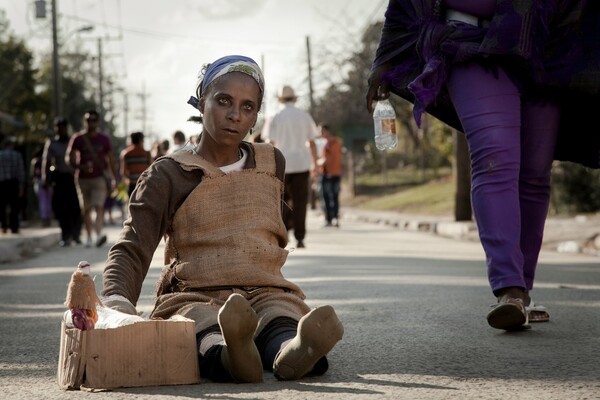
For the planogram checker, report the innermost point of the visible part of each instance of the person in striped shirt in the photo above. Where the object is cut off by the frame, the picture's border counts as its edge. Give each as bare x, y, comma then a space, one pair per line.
134, 160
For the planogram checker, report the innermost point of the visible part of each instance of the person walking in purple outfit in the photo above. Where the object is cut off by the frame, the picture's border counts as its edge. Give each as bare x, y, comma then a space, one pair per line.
519, 79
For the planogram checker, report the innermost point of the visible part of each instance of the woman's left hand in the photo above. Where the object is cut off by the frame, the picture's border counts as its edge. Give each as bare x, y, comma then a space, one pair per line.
378, 90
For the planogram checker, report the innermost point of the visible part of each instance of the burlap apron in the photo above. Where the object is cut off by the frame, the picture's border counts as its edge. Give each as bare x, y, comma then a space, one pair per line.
228, 237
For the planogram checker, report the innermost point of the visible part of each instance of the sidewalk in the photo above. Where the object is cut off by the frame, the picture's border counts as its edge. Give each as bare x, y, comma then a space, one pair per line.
580, 234
30, 241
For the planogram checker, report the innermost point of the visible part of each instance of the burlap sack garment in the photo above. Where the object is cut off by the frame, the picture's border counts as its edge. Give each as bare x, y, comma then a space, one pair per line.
228, 237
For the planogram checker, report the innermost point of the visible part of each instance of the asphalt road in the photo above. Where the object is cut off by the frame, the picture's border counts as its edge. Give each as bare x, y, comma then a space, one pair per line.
413, 305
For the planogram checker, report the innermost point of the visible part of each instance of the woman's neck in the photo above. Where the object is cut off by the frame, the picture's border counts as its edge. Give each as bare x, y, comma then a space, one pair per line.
219, 156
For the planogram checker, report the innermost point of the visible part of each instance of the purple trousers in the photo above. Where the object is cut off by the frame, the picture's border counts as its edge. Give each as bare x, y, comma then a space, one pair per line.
511, 145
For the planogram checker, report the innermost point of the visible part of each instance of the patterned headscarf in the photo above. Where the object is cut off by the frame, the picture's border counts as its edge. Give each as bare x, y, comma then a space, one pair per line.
222, 66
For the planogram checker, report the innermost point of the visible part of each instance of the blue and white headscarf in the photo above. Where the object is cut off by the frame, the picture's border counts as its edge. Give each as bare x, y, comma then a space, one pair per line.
225, 65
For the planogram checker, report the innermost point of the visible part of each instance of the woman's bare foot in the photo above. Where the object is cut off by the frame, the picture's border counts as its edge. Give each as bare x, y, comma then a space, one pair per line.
240, 357
318, 332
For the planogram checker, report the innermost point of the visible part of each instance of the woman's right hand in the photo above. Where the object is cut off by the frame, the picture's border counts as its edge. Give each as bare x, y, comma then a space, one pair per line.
378, 90
119, 303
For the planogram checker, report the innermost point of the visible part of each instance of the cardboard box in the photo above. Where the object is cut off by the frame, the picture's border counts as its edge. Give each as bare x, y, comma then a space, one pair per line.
148, 353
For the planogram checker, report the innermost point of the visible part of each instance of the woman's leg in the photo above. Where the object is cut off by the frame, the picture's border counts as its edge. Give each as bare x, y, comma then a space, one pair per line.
273, 338
489, 107
210, 345
538, 139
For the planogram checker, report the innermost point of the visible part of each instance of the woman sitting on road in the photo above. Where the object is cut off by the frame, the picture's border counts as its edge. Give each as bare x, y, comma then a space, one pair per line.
219, 208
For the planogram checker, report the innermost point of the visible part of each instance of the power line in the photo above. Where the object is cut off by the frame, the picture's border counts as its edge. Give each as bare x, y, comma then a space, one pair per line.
170, 35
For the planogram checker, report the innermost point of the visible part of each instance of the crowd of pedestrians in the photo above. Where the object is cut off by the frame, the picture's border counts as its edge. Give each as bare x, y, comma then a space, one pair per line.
74, 179
77, 180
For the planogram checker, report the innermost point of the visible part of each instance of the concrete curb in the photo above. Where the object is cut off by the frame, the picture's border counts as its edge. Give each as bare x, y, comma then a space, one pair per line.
30, 242
578, 234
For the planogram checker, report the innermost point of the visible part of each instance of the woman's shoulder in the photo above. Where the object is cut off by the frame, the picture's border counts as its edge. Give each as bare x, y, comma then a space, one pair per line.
271, 151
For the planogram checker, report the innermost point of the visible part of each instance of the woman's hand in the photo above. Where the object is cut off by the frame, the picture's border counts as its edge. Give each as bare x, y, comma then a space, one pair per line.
378, 90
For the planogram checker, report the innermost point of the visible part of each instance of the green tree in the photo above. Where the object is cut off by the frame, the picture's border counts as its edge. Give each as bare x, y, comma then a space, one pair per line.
78, 86
18, 96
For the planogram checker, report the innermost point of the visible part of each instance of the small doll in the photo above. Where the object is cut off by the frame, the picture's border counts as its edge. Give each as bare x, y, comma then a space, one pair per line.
82, 298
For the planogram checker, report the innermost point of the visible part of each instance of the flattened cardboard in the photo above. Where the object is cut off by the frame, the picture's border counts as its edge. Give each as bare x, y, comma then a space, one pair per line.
148, 353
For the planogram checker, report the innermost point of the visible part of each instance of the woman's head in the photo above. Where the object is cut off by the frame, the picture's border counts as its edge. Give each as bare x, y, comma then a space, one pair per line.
211, 73
230, 93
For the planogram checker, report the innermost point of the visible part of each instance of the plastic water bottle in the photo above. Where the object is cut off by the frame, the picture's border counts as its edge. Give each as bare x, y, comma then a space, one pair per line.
384, 118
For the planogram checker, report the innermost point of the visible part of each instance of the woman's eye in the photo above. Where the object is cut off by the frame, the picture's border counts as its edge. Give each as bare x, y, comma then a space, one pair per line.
248, 107
223, 101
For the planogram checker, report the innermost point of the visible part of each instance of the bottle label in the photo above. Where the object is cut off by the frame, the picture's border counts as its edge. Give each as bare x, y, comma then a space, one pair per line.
388, 125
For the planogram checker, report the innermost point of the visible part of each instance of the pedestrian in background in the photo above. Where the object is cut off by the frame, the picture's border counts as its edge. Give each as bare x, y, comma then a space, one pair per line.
219, 207
41, 188
293, 131
330, 167
12, 184
90, 153
113, 200
159, 149
134, 160
515, 77
179, 142
56, 172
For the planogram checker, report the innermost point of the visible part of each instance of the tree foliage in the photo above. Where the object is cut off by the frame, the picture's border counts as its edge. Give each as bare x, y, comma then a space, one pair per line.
343, 106
27, 90
18, 96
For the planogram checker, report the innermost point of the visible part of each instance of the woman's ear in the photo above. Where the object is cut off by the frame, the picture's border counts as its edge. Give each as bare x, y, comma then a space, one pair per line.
201, 104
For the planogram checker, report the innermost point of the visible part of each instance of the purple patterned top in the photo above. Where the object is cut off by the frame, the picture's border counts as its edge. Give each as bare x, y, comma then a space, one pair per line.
546, 46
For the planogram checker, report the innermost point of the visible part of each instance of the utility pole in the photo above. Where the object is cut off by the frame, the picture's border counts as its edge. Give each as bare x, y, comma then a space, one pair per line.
143, 95
461, 169
125, 112
310, 85
56, 74
100, 86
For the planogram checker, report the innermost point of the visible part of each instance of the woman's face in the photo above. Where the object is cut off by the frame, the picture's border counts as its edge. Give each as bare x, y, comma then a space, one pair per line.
230, 108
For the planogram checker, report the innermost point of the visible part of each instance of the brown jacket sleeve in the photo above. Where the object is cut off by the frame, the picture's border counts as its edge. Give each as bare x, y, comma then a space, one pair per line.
161, 189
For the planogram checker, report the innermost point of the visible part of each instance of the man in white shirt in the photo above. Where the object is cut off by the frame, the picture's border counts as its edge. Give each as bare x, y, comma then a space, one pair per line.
293, 131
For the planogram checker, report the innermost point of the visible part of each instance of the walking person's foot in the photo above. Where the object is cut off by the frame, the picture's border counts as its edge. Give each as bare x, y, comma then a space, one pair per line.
509, 312
101, 240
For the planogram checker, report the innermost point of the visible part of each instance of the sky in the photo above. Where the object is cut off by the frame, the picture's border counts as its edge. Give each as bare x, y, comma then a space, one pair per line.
153, 49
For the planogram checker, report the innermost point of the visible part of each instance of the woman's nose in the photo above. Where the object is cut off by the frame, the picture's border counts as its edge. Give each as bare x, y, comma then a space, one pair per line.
234, 114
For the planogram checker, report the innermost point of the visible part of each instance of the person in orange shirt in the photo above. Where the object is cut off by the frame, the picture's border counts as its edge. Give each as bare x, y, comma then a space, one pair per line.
330, 163
134, 160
